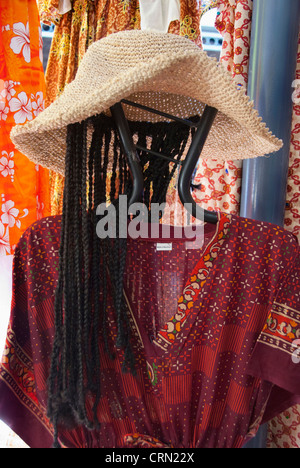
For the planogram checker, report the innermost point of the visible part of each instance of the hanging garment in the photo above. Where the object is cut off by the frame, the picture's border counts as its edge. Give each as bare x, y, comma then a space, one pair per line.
24, 186
175, 54
221, 183
292, 212
215, 332
283, 431
158, 14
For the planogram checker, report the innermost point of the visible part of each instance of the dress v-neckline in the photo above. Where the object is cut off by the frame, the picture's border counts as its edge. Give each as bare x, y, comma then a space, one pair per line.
171, 337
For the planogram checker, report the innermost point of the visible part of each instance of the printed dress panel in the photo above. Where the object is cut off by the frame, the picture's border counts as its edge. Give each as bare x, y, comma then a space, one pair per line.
215, 331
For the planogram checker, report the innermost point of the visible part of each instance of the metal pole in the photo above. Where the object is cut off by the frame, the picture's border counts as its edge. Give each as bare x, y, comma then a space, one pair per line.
273, 53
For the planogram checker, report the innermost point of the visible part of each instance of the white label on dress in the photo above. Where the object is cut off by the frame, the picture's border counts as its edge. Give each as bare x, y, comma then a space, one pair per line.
166, 246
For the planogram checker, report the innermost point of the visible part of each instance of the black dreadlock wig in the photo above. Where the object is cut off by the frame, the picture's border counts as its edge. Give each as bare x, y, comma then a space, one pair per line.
90, 266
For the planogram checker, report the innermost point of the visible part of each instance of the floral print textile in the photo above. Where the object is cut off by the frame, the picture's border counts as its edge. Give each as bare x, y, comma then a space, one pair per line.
292, 213
221, 183
284, 430
24, 187
234, 23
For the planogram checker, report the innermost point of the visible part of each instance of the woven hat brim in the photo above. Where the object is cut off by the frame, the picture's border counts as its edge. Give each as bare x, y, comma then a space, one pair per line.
180, 84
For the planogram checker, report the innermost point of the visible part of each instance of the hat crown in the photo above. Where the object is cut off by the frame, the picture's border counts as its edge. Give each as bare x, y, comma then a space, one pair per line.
127, 49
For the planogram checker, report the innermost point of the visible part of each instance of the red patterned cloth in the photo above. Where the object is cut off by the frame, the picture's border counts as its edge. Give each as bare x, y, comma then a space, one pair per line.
292, 213
221, 182
211, 366
234, 23
143, 441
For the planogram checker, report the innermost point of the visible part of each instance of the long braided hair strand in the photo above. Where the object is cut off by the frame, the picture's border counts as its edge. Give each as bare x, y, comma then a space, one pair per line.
92, 269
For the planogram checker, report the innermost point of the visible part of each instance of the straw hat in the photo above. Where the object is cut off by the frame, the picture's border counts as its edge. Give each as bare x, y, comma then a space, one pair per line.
160, 70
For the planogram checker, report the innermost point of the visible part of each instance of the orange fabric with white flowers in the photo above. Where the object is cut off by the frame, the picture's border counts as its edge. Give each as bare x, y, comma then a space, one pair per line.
24, 187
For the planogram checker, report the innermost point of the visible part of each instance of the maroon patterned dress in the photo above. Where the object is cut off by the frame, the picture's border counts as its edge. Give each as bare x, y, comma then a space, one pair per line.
215, 331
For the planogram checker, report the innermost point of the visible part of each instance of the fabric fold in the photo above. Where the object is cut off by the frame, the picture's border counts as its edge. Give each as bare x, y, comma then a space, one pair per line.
158, 14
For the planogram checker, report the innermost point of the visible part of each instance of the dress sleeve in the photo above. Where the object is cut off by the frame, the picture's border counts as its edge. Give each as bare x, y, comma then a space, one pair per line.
20, 407
276, 356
